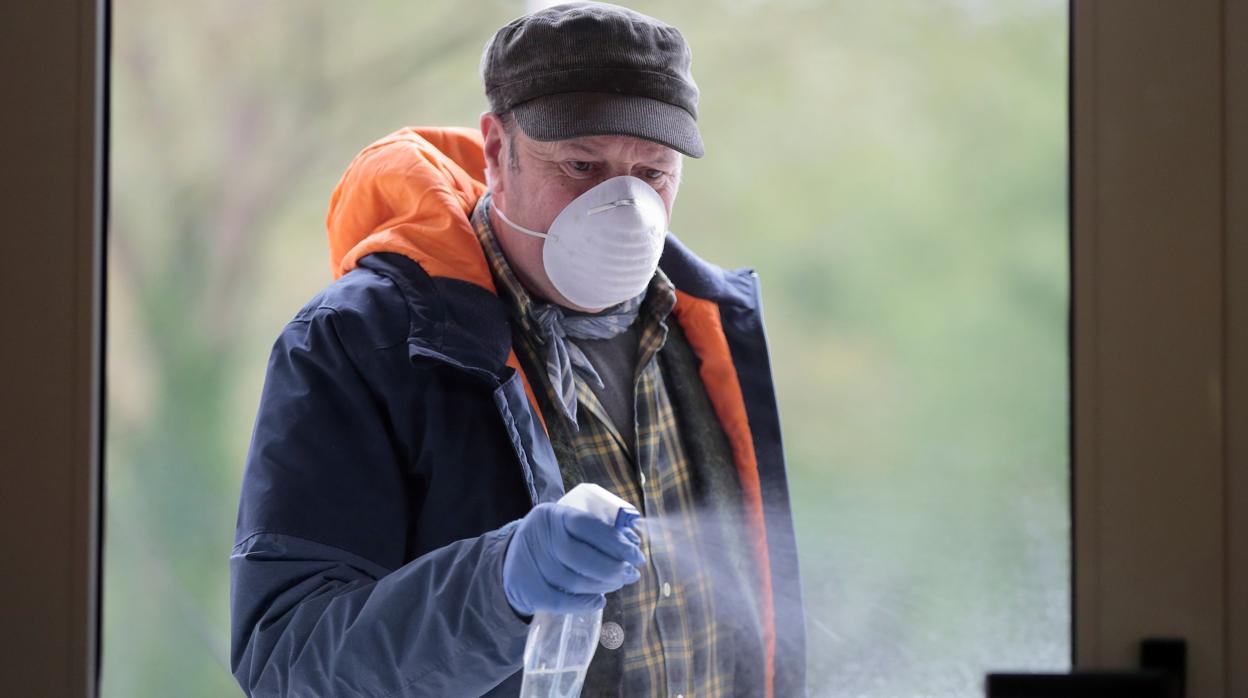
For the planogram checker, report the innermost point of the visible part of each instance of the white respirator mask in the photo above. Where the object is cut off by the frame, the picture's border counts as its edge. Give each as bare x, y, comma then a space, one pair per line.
604, 246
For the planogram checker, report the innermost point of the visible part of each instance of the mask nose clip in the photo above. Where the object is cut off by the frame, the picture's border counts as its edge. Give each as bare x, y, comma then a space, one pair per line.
613, 204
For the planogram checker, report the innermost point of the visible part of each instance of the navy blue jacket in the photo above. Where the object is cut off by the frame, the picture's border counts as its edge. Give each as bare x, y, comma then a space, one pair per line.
393, 451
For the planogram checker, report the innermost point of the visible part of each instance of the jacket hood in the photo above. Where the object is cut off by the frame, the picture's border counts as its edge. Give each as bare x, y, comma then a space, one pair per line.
412, 192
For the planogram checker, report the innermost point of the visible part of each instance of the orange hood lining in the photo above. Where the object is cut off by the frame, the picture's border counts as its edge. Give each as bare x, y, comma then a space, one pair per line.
412, 192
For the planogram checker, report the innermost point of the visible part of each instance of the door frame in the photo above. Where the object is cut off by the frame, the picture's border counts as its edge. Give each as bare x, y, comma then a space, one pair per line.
53, 135
1160, 333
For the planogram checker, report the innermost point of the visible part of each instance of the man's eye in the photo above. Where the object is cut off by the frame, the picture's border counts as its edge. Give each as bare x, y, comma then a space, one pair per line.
654, 174
580, 165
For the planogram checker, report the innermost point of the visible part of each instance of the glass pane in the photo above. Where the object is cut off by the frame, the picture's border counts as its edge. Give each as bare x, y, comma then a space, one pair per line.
895, 171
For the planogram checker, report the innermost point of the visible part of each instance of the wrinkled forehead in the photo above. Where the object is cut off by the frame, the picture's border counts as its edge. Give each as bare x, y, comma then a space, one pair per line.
606, 148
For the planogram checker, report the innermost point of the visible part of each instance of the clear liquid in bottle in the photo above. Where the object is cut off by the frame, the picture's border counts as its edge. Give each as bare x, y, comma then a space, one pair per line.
557, 653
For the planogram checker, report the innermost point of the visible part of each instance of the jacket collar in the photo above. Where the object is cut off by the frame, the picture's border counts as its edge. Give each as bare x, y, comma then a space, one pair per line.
466, 325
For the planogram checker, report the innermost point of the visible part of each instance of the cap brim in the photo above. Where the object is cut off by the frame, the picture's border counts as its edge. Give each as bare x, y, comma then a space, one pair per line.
575, 114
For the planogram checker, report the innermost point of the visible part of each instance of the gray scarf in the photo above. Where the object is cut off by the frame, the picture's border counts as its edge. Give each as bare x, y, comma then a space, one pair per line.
559, 327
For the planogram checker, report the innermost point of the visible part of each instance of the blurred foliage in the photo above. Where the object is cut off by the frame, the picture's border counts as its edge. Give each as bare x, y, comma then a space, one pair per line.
895, 170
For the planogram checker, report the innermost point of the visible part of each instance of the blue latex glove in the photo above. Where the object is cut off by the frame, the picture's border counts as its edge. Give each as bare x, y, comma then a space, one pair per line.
563, 560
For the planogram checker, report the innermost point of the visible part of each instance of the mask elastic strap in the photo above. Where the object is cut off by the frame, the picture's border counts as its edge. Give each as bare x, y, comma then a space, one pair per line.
521, 228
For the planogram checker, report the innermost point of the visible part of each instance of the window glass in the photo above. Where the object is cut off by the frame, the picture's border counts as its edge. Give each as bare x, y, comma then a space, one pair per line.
894, 170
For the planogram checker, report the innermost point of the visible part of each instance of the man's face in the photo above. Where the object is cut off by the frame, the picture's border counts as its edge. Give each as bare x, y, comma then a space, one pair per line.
546, 176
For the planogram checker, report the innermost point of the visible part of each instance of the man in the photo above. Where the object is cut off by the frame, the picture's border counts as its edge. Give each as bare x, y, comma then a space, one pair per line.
503, 327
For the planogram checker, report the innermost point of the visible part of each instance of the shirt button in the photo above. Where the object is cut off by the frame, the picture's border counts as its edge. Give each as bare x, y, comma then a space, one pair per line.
643, 477
667, 589
612, 635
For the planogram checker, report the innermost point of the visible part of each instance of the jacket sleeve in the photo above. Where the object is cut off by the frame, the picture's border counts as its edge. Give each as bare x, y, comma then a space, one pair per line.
322, 602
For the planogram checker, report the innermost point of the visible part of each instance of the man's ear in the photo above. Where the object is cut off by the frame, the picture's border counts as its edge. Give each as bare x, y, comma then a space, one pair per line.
492, 135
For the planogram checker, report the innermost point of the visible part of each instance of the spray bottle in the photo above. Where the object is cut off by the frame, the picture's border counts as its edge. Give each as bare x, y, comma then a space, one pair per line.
560, 646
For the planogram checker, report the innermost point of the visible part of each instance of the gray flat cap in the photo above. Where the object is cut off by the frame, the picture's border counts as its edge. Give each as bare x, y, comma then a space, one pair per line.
590, 69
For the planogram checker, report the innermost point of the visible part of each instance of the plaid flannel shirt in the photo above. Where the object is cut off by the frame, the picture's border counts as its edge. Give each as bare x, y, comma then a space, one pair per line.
671, 642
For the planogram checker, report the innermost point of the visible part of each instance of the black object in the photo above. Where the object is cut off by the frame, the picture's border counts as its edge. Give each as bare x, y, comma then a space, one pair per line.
589, 68
1162, 674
